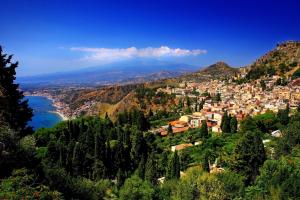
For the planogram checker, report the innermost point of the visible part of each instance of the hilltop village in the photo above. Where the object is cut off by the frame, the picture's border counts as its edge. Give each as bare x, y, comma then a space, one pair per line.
242, 100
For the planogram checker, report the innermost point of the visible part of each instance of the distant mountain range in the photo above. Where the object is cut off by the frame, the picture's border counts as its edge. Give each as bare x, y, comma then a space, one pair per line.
283, 60
134, 71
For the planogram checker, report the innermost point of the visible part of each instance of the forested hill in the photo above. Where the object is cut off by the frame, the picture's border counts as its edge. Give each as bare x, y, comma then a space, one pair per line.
214, 71
284, 60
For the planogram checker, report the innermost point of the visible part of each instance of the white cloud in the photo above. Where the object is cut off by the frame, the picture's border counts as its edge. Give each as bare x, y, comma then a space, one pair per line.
107, 54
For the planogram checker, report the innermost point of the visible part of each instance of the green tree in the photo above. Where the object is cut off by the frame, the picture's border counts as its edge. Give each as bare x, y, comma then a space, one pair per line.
188, 110
180, 104
150, 113
248, 124
209, 187
138, 148
205, 162
17, 112
173, 168
263, 85
233, 184
233, 124
218, 97
188, 102
135, 188
283, 115
142, 122
200, 107
121, 176
170, 130
290, 139
282, 67
141, 168
278, 81
281, 177
150, 169
204, 130
186, 188
249, 155
225, 123
21, 185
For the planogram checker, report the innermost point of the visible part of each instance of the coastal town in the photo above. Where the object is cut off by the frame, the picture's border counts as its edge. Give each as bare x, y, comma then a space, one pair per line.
239, 100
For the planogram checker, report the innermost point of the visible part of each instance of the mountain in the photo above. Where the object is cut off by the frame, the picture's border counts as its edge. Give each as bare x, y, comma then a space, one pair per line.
134, 71
217, 70
284, 60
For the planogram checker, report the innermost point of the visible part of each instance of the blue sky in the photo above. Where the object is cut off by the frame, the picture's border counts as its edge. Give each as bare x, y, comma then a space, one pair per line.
50, 36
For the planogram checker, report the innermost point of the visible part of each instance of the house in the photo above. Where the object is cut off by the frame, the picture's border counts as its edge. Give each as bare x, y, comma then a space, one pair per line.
213, 168
177, 127
195, 123
276, 133
216, 129
185, 118
180, 147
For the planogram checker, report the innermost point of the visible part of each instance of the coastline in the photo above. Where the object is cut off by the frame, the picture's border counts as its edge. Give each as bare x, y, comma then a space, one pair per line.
62, 116
56, 107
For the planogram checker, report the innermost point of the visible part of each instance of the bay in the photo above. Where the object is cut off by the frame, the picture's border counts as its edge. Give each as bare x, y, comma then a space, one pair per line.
43, 110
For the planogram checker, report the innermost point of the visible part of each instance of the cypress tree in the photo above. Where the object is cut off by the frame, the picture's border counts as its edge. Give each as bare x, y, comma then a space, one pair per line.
205, 163
17, 112
170, 130
173, 168
142, 122
108, 159
188, 101
204, 130
225, 124
283, 115
150, 169
180, 104
77, 159
120, 177
233, 124
141, 167
201, 105
138, 147
218, 97
150, 113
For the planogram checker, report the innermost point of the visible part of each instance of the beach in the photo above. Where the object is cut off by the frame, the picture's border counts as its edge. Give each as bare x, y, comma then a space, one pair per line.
62, 116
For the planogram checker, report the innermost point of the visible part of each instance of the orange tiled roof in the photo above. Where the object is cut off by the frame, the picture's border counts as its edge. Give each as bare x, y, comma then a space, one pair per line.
182, 146
175, 130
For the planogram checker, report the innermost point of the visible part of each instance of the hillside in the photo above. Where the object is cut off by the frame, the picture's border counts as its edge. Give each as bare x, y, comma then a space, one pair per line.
118, 98
284, 60
214, 71
106, 94
114, 99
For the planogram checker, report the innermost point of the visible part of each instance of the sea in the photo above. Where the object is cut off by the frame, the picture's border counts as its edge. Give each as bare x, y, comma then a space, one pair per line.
43, 110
